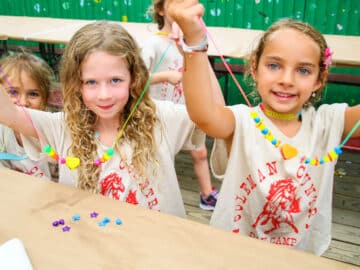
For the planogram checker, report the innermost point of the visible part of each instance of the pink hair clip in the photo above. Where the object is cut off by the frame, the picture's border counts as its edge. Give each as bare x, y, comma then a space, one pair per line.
328, 58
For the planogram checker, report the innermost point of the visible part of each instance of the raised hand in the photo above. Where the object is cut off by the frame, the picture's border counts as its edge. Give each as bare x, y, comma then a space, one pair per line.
187, 15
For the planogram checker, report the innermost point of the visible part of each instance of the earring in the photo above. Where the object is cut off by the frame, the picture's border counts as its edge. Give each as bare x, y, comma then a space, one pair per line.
313, 94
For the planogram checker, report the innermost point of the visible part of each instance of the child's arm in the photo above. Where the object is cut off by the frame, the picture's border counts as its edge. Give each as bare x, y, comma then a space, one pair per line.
14, 116
216, 88
171, 76
352, 116
215, 119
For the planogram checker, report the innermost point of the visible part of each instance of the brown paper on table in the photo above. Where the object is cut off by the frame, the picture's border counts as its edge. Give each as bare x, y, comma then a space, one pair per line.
146, 239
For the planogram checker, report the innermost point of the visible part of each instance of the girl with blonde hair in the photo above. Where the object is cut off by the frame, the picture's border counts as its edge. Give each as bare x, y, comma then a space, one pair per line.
28, 80
111, 137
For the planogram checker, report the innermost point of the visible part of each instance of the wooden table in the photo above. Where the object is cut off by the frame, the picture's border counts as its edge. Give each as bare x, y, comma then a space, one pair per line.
146, 239
232, 42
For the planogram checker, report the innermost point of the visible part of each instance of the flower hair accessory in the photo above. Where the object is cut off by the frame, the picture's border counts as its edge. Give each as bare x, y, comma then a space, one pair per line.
328, 58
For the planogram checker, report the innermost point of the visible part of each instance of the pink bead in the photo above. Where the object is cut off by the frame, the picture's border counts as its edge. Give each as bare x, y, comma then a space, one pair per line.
62, 160
98, 162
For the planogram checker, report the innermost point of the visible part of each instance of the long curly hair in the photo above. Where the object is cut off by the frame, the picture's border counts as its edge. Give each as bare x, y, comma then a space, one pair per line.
302, 27
36, 68
113, 39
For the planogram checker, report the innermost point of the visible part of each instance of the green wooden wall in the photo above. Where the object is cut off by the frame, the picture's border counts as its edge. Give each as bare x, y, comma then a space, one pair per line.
329, 16
341, 17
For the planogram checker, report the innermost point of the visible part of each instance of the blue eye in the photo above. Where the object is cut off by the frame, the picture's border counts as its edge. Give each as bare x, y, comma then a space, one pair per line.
304, 71
273, 66
90, 82
34, 94
115, 81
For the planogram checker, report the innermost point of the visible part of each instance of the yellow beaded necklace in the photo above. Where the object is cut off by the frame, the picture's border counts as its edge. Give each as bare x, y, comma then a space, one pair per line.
288, 151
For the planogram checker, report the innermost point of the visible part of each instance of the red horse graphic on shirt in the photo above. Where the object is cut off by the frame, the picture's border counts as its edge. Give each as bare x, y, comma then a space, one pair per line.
112, 186
281, 204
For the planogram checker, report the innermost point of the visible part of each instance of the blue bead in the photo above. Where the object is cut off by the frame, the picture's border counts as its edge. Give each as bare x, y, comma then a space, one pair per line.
265, 131
338, 150
257, 119
101, 224
307, 161
321, 161
118, 221
76, 217
106, 220
274, 141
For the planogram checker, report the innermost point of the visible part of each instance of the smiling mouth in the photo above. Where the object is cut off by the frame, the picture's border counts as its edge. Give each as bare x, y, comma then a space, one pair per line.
106, 107
283, 95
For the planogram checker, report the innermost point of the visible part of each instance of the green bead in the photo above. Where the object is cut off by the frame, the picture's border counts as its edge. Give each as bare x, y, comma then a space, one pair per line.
110, 152
47, 148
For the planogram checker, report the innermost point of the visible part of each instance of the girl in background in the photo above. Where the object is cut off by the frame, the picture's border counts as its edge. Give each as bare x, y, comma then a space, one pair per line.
166, 85
27, 79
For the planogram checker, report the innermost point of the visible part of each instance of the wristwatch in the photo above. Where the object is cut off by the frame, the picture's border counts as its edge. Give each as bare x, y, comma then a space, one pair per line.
202, 47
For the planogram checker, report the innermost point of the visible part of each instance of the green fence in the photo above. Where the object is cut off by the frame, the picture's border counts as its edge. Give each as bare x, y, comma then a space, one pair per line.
329, 16
341, 17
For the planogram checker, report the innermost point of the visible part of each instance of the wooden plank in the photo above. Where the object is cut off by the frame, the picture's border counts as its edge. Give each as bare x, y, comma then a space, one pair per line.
346, 202
194, 213
346, 217
345, 233
344, 252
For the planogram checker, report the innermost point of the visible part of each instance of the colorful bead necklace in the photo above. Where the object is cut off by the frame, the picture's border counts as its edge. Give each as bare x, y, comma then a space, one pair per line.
287, 151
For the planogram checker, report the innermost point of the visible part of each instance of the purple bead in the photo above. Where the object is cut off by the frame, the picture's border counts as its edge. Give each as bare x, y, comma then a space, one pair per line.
66, 228
93, 214
61, 221
55, 223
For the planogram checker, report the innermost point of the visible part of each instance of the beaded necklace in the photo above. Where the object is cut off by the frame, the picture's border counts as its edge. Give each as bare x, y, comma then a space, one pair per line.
288, 151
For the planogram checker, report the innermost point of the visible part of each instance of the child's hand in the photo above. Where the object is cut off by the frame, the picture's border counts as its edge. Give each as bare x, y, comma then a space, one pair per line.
187, 14
174, 77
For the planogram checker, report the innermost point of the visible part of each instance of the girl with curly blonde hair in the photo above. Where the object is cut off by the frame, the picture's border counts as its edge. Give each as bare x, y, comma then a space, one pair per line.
125, 142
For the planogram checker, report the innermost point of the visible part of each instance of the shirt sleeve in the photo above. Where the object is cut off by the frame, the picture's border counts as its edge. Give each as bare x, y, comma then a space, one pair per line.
50, 129
218, 158
178, 130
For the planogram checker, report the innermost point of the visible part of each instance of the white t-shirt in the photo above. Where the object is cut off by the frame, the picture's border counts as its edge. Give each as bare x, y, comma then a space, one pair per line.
9, 144
118, 179
160, 47
280, 201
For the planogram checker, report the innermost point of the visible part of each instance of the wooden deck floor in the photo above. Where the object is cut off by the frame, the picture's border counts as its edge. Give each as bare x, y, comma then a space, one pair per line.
345, 245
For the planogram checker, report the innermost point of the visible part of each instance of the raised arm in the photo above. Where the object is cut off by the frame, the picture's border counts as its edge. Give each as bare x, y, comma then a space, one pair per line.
14, 116
208, 114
